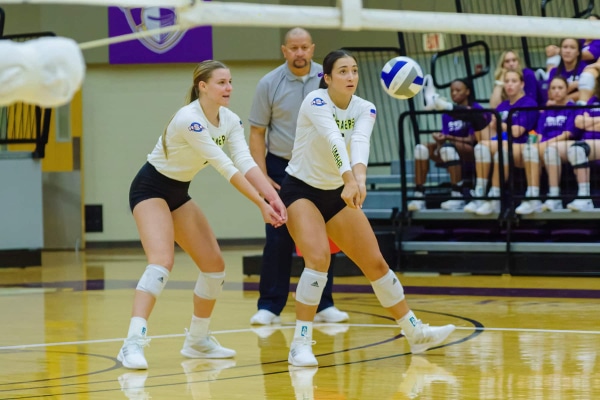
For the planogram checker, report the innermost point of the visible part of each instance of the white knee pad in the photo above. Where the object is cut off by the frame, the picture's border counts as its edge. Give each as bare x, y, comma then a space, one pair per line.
310, 287
388, 289
551, 156
587, 81
421, 152
482, 153
449, 155
209, 285
531, 153
153, 280
504, 156
577, 155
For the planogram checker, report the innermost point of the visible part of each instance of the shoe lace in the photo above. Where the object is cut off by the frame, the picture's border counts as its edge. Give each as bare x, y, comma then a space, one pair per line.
139, 341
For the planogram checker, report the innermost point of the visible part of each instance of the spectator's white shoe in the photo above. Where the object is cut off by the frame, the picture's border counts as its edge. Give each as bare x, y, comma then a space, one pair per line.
132, 385
453, 205
581, 205
529, 207
301, 354
331, 314
488, 207
417, 205
472, 206
552, 205
131, 354
425, 337
265, 317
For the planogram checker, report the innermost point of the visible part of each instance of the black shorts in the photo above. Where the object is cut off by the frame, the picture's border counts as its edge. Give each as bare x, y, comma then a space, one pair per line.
328, 202
151, 184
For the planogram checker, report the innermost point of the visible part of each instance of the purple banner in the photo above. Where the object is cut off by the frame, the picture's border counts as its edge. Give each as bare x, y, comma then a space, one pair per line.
190, 46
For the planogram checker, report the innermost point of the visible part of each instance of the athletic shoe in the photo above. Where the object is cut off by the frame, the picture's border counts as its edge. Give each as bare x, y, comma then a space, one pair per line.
207, 347
132, 385
301, 354
265, 317
131, 354
417, 205
302, 381
472, 206
331, 314
552, 205
488, 207
581, 205
528, 207
425, 337
453, 205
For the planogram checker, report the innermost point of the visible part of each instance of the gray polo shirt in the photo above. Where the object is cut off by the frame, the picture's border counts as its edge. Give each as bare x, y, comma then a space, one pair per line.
276, 104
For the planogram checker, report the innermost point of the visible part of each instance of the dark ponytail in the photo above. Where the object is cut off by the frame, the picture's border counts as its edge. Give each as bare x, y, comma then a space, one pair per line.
328, 62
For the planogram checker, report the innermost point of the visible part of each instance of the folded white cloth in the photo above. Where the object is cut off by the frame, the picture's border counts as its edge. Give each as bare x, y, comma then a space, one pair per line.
45, 71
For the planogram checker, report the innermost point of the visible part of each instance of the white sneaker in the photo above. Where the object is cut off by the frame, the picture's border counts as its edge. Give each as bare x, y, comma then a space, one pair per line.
425, 337
265, 317
552, 205
132, 385
488, 207
417, 205
453, 205
581, 205
331, 314
528, 207
472, 206
131, 354
207, 347
301, 354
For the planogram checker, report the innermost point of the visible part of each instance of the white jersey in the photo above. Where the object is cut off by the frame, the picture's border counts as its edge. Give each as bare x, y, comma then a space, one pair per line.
330, 141
193, 143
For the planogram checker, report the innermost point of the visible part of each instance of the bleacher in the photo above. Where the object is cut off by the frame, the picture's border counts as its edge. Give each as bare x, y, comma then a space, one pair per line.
440, 241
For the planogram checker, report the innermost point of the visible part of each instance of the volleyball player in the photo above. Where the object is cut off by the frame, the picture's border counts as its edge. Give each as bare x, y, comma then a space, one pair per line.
164, 212
324, 191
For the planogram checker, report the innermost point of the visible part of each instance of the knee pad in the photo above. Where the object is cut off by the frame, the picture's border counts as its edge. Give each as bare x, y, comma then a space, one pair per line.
209, 285
531, 153
388, 289
482, 153
504, 156
578, 154
587, 81
551, 156
421, 152
153, 280
310, 287
449, 155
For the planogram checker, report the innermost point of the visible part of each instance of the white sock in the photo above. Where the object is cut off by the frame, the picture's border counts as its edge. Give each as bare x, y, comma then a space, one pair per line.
532, 191
554, 191
584, 189
303, 329
199, 327
480, 185
138, 326
408, 323
494, 192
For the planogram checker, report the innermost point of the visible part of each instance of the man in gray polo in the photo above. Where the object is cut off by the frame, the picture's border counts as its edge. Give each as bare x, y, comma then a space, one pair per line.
273, 117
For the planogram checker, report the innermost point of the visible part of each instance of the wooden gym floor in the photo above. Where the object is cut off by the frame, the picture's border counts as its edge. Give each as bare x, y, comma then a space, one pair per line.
62, 325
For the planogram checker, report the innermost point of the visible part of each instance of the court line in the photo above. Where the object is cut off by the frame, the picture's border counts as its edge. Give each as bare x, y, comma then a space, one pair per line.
292, 326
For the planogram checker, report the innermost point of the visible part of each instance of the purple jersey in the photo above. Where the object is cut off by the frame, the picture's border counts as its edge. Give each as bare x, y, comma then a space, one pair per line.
592, 47
570, 76
525, 119
532, 89
553, 122
458, 127
593, 112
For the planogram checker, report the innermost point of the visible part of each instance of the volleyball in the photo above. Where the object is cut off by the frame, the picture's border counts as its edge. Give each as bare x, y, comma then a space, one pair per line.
402, 77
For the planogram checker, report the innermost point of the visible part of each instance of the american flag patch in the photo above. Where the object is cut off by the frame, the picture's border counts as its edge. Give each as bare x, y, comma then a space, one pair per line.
373, 113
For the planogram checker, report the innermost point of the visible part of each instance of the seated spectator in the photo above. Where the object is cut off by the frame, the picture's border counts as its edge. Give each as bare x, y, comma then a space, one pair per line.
570, 67
510, 61
450, 147
553, 126
521, 123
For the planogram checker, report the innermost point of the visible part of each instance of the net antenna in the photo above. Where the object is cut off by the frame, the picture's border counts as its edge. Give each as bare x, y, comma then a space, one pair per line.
349, 15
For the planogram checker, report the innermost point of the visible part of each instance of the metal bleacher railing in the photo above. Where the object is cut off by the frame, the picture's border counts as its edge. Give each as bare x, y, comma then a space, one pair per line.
22, 123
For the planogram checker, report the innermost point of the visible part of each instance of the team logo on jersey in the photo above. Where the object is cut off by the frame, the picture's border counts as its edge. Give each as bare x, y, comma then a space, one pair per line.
373, 113
317, 101
196, 127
